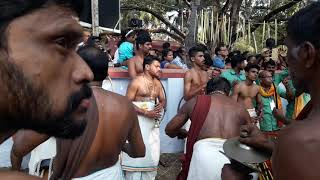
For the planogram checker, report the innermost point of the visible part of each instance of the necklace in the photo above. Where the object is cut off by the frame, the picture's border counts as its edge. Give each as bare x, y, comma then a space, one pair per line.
218, 92
150, 86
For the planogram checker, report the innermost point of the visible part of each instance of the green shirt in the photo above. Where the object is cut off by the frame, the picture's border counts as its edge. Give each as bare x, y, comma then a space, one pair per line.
279, 77
268, 122
232, 76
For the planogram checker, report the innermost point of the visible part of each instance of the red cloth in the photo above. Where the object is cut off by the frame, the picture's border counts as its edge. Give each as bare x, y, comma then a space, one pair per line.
198, 117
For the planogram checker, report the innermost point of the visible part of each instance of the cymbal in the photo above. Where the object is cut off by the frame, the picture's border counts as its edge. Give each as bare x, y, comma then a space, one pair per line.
243, 153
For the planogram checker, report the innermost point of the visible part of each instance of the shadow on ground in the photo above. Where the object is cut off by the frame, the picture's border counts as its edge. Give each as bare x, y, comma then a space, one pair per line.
169, 166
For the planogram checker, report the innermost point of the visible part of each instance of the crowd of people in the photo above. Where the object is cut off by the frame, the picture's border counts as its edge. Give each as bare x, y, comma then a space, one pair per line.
52, 92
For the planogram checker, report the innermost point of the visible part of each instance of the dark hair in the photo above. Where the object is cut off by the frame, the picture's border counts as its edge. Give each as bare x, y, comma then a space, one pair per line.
270, 43
166, 45
270, 62
218, 84
208, 60
251, 66
149, 60
194, 50
180, 50
12, 9
249, 57
97, 60
218, 48
142, 38
165, 53
124, 37
236, 59
305, 25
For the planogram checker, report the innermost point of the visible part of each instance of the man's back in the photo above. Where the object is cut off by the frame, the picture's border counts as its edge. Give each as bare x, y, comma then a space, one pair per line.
116, 121
224, 118
297, 149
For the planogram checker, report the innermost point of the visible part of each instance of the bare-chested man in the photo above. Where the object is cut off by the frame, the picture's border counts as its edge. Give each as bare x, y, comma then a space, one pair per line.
211, 123
247, 93
295, 155
101, 161
143, 46
145, 91
44, 83
195, 80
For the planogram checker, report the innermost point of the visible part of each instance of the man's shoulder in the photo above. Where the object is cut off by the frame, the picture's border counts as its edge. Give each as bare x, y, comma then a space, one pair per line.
108, 97
299, 132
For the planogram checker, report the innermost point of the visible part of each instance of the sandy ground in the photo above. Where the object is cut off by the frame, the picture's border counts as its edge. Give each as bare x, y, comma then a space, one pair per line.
169, 167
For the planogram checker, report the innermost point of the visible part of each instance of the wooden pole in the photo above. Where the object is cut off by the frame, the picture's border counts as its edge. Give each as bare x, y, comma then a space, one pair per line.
95, 17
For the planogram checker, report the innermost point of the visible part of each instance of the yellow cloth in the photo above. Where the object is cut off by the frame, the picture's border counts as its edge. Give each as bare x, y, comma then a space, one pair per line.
272, 92
299, 105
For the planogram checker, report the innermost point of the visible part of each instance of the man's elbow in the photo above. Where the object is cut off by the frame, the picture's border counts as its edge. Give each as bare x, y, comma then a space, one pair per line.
139, 153
170, 133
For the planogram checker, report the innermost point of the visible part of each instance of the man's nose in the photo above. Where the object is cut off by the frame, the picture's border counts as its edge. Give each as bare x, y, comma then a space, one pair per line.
82, 72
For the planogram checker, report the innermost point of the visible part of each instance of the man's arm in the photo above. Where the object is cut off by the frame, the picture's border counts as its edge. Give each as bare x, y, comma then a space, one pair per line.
252, 136
187, 93
173, 128
259, 105
132, 68
9, 175
24, 142
135, 148
289, 95
131, 94
236, 92
172, 66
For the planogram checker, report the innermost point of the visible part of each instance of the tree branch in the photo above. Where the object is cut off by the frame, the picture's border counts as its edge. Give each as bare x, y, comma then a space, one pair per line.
164, 31
155, 14
268, 17
224, 8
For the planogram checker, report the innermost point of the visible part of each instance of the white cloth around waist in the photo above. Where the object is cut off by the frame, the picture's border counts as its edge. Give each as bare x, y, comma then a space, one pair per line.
112, 173
207, 160
151, 139
252, 112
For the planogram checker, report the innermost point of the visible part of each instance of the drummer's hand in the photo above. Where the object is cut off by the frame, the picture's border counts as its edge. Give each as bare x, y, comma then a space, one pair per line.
252, 136
228, 173
153, 114
158, 108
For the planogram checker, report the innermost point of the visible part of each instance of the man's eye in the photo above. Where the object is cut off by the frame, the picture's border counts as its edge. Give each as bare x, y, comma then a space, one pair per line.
61, 42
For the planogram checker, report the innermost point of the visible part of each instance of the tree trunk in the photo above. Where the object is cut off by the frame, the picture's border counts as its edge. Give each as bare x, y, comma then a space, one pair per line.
235, 9
192, 34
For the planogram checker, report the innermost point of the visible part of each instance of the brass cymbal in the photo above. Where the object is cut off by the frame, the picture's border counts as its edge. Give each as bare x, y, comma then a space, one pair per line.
243, 153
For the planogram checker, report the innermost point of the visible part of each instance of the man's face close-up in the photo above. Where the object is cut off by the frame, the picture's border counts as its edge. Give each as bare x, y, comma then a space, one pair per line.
199, 60
252, 74
295, 66
147, 47
155, 69
50, 93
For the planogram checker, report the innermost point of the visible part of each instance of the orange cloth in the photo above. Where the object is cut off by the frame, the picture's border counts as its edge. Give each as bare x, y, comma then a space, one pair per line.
273, 92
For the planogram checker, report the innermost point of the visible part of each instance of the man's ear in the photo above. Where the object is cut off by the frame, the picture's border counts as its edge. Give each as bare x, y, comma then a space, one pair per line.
307, 54
192, 59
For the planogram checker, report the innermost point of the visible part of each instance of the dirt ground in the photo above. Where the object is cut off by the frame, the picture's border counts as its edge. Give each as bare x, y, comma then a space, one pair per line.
169, 166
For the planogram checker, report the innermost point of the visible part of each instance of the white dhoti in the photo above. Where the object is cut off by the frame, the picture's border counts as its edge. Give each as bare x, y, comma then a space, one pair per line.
253, 114
207, 162
146, 167
112, 173
46, 150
